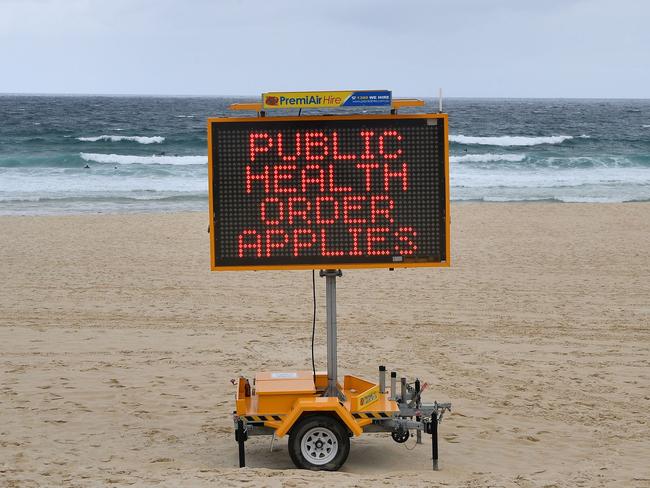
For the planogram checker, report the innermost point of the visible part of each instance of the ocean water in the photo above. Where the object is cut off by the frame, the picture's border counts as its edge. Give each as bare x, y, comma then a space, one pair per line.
150, 154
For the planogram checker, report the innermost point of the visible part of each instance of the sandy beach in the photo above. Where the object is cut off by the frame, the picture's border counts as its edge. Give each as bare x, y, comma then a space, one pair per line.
118, 344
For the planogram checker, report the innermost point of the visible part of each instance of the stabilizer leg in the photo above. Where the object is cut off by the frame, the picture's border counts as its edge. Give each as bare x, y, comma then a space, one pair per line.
241, 439
434, 440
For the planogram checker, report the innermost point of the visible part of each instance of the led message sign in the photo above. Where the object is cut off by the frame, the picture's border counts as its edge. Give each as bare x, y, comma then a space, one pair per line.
329, 192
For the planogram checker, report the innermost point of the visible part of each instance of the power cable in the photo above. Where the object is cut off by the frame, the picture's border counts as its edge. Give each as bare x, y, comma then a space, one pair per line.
313, 324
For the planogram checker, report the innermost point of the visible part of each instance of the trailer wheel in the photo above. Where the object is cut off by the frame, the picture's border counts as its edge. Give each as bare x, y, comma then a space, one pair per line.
400, 436
319, 442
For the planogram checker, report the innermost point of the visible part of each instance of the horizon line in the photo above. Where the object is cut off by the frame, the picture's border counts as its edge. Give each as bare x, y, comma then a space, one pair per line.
433, 97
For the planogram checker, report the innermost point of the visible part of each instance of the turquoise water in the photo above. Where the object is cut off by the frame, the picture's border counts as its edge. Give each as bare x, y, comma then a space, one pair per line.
149, 153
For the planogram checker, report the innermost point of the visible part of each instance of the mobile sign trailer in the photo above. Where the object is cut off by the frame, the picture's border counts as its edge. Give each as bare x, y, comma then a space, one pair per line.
329, 192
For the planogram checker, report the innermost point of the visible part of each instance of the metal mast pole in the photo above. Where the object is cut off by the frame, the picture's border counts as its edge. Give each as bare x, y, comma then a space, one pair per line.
330, 298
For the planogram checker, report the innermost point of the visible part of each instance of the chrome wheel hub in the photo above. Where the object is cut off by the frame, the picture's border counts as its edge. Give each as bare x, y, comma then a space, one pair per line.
319, 446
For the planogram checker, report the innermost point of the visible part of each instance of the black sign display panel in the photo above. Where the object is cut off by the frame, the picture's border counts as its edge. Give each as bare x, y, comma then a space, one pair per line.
329, 192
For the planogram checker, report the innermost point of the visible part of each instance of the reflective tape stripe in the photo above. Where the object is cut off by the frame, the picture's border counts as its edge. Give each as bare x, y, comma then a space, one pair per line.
371, 415
358, 415
262, 418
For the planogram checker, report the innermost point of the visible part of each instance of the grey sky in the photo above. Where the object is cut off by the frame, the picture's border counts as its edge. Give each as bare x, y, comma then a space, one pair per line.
496, 48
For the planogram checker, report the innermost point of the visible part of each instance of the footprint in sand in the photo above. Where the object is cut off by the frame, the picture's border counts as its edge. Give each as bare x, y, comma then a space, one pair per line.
530, 438
113, 383
452, 438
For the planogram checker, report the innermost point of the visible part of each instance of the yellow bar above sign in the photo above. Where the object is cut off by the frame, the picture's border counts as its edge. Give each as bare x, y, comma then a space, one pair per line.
327, 99
397, 103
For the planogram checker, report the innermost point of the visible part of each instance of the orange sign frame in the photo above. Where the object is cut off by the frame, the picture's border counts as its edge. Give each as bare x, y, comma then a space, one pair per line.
446, 263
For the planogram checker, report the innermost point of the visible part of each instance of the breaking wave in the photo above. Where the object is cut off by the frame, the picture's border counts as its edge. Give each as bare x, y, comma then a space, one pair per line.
486, 158
153, 159
139, 139
511, 140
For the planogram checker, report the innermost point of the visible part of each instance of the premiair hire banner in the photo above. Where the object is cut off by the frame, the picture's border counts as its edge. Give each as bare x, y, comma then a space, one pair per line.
327, 99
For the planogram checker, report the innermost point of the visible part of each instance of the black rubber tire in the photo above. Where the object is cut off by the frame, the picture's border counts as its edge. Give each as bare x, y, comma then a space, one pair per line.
303, 426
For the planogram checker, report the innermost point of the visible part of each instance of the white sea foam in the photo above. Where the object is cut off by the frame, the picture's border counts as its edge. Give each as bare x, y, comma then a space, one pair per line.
140, 139
498, 180
486, 158
153, 159
54, 182
646, 126
511, 140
